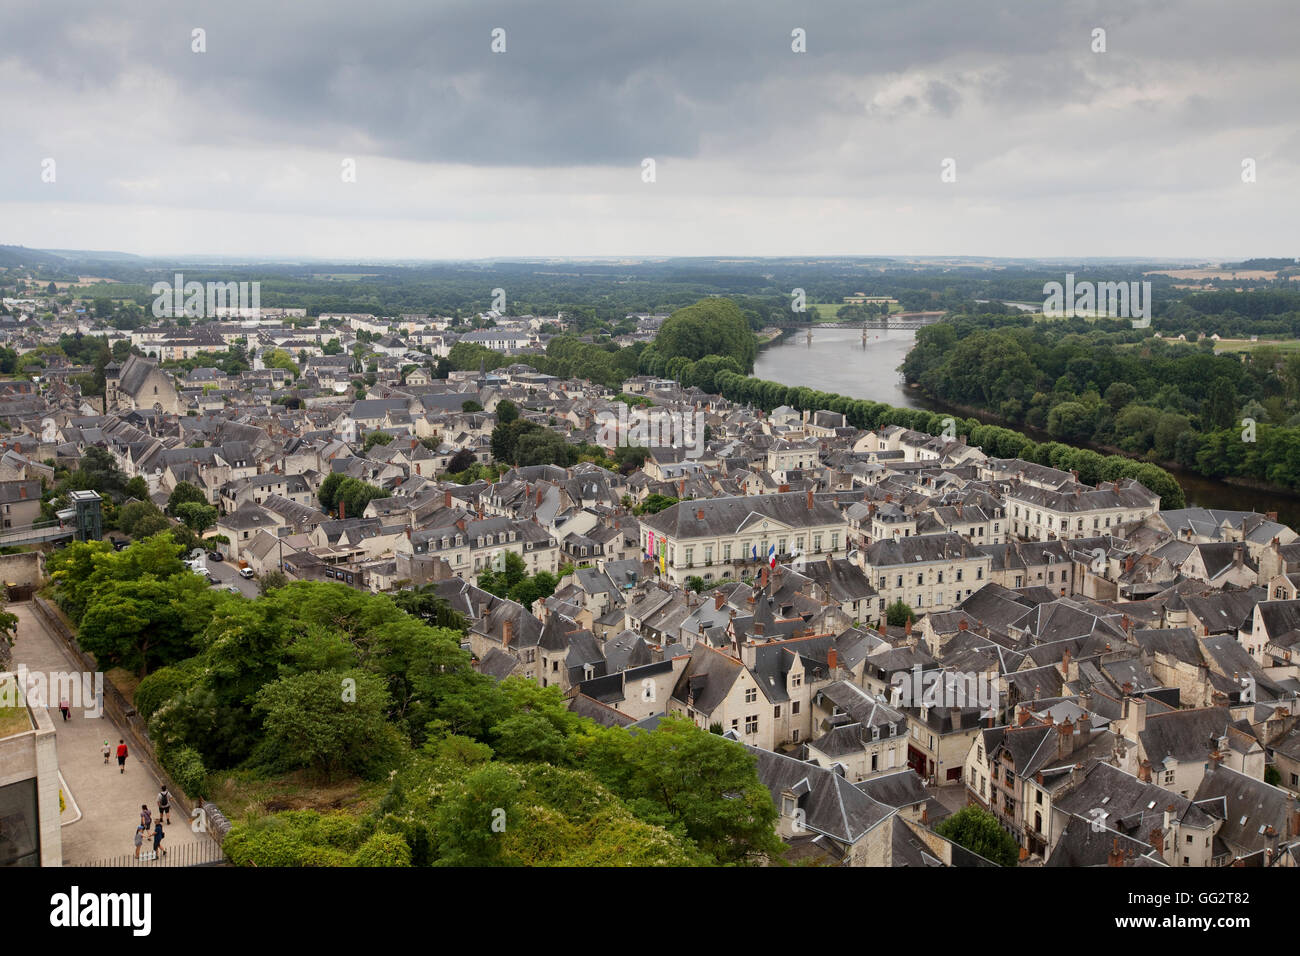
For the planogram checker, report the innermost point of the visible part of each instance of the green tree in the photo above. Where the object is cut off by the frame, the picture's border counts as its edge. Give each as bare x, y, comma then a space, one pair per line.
977, 830
899, 613
376, 438
692, 783
197, 517
182, 493
330, 721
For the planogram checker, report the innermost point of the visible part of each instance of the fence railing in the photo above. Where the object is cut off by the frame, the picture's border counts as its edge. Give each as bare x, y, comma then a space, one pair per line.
119, 710
203, 853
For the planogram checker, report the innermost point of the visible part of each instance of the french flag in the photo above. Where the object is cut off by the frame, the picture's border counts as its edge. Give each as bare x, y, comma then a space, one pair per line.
771, 556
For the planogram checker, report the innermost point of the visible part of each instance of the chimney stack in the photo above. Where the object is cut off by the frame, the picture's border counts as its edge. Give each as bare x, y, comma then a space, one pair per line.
699, 514
963, 625
718, 600
810, 499
446, 499
1065, 664
832, 660
507, 633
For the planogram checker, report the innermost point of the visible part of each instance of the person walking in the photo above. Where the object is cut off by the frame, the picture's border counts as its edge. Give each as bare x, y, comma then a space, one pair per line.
139, 839
121, 755
164, 805
158, 839
146, 818
65, 708
108, 751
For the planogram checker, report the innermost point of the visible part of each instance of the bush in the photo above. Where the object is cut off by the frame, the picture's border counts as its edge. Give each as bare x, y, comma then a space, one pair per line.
383, 849
293, 838
186, 768
159, 687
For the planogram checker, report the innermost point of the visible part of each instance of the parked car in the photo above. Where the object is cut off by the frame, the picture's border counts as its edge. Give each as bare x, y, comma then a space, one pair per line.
234, 589
213, 580
246, 572
215, 556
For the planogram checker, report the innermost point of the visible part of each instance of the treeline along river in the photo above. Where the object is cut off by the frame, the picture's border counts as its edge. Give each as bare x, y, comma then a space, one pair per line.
837, 360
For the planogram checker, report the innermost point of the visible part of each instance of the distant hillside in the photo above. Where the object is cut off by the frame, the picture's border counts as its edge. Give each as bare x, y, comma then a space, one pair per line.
1262, 264
11, 256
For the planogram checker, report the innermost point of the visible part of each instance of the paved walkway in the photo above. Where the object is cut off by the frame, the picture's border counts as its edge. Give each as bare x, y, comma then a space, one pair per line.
109, 801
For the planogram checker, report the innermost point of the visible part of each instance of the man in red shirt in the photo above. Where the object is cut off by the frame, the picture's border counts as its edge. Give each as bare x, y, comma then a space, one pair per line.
121, 756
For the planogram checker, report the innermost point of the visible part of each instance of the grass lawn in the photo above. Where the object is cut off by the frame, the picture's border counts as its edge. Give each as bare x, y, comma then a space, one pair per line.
14, 718
239, 793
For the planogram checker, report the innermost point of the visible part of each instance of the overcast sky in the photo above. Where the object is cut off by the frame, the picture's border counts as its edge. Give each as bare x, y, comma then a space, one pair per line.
461, 152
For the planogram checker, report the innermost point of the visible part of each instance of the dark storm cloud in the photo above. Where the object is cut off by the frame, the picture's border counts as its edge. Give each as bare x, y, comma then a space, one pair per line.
580, 83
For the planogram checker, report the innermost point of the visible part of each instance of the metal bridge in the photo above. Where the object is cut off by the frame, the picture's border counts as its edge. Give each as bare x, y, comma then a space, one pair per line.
40, 533
911, 322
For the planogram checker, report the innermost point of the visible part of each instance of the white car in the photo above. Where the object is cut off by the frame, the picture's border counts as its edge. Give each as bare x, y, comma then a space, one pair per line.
246, 573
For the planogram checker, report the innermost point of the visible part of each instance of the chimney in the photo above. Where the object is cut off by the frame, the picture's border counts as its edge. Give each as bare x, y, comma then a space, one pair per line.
907, 628
832, 660
1115, 857
881, 627
446, 499
408, 534
1237, 555
1126, 624
507, 633
22, 491
681, 488
810, 499
762, 580
1065, 664
1065, 738
963, 625
1128, 564
1144, 771
414, 442
540, 493
343, 509
718, 600
758, 629
959, 509
1157, 842
699, 514
1216, 758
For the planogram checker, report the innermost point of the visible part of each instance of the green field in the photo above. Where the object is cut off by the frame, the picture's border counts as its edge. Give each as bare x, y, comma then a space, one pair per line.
1245, 345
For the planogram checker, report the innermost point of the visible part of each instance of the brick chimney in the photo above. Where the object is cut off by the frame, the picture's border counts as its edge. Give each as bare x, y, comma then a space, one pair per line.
758, 629
681, 488
507, 633
446, 499
832, 660
1116, 856
810, 499
963, 625
343, 509
718, 600
907, 628
1065, 664
1065, 738
1128, 564
699, 514
762, 579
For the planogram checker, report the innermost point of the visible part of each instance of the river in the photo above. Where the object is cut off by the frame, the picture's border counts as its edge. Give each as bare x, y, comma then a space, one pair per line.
837, 361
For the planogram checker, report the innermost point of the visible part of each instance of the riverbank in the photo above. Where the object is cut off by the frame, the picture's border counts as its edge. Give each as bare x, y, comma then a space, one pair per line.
1227, 494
